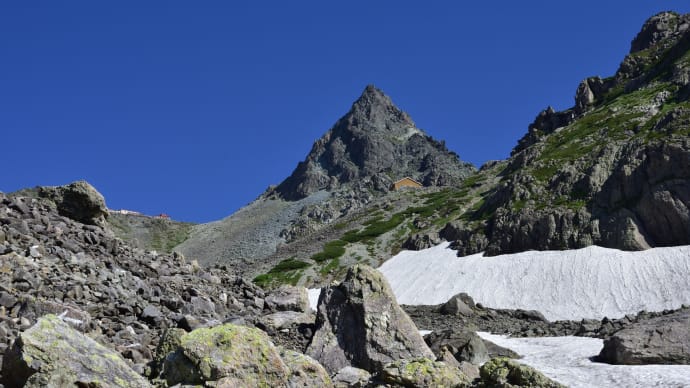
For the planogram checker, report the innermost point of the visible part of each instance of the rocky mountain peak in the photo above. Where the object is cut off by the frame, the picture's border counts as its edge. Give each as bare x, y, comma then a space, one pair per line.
660, 27
377, 111
373, 145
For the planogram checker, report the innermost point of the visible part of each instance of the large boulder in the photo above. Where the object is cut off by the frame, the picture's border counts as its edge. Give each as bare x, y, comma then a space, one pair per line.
505, 373
52, 354
79, 201
360, 324
661, 340
234, 354
423, 372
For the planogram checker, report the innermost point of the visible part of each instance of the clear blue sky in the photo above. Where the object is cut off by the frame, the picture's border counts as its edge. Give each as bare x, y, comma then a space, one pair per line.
193, 108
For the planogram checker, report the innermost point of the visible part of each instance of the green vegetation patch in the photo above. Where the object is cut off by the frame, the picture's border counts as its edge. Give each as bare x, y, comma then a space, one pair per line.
332, 250
288, 271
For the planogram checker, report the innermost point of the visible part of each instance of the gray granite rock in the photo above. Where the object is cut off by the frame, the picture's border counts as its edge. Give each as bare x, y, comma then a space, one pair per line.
661, 340
360, 324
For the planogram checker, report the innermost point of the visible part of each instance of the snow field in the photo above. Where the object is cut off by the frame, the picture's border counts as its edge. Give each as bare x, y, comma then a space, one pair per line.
567, 360
592, 282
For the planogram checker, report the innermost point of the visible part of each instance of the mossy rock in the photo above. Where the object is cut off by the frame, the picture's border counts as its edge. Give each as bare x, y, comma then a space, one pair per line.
52, 354
228, 352
423, 372
504, 373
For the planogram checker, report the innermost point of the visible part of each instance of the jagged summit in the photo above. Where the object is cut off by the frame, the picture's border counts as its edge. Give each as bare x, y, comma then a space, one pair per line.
374, 144
659, 27
375, 108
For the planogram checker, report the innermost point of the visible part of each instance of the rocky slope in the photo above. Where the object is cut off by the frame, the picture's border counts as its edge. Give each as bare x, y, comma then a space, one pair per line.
611, 171
78, 306
353, 164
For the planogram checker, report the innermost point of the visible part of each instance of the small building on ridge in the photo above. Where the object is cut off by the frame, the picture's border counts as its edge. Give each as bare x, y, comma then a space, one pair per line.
406, 182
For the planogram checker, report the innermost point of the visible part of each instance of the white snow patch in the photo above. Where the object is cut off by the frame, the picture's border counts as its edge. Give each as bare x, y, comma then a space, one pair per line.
592, 282
425, 332
566, 360
313, 294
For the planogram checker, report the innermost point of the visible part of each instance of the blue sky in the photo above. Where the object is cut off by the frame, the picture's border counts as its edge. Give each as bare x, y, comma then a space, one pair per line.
194, 108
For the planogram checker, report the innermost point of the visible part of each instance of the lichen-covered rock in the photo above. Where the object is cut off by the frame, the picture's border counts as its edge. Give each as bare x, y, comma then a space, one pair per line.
505, 373
360, 324
305, 371
52, 354
288, 298
423, 372
79, 201
661, 340
236, 353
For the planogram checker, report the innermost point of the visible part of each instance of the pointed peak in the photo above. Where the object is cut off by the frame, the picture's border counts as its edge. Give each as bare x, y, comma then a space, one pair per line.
373, 96
371, 89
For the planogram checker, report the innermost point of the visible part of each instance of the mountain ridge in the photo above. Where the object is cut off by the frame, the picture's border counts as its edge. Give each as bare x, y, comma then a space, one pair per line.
355, 162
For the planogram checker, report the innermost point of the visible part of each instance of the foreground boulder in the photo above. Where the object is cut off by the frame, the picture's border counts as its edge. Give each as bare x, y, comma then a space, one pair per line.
423, 372
505, 373
52, 354
661, 340
360, 324
236, 355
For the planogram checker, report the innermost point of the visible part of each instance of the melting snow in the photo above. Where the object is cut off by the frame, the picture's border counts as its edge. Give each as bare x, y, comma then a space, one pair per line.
313, 294
566, 360
592, 282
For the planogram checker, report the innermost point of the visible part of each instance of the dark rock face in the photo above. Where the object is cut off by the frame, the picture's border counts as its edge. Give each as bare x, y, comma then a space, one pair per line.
463, 345
360, 324
52, 354
638, 201
460, 304
375, 144
418, 242
545, 123
662, 340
